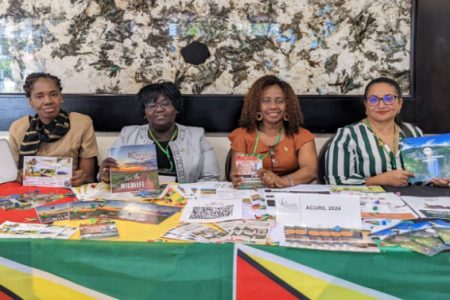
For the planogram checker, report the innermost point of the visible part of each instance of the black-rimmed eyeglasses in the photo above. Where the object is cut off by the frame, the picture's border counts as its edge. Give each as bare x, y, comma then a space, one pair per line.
387, 99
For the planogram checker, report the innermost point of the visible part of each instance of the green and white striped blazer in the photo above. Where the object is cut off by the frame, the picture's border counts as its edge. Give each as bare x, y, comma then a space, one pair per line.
354, 154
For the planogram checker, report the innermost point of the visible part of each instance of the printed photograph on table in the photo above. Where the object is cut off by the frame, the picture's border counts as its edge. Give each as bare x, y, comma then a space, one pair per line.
137, 169
246, 167
23, 230
426, 157
47, 171
149, 213
29, 199
81, 210
98, 230
52, 213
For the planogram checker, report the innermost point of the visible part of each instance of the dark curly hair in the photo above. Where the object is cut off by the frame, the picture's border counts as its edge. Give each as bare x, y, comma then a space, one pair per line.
252, 105
33, 77
151, 92
392, 83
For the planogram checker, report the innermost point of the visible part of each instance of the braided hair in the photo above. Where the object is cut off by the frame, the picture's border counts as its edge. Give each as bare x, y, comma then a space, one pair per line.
33, 77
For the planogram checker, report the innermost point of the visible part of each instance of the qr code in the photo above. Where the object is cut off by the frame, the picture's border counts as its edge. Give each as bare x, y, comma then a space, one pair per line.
201, 212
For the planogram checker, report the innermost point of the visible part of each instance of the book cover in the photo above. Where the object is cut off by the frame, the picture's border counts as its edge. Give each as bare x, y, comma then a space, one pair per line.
427, 157
137, 169
246, 167
47, 171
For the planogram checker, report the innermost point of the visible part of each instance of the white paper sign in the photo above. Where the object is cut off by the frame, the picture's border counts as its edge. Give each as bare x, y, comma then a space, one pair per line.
330, 211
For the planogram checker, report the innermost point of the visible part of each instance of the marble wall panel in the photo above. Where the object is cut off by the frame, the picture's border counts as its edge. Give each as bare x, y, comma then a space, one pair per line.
116, 46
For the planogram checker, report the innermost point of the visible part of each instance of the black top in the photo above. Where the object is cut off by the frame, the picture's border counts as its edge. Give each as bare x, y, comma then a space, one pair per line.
163, 162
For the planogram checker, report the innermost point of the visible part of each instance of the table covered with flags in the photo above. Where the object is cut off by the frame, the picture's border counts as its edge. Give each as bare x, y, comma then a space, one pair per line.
137, 267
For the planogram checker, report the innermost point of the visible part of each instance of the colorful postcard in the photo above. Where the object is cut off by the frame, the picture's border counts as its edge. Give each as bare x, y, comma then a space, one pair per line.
47, 171
98, 230
149, 213
24, 230
247, 231
29, 200
246, 168
82, 210
443, 230
51, 213
195, 232
137, 170
427, 157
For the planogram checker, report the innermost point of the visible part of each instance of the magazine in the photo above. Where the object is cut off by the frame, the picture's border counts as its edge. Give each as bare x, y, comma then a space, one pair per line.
137, 169
47, 171
427, 157
246, 168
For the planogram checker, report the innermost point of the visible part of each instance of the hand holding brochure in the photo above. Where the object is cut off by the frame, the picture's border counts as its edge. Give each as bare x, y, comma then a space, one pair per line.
246, 167
47, 171
137, 170
427, 157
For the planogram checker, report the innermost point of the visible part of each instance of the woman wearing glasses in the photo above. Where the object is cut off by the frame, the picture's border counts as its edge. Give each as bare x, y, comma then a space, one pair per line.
367, 152
271, 129
183, 152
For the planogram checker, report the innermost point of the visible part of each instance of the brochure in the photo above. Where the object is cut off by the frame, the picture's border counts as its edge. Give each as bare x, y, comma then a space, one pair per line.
51, 213
25, 230
356, 189
385, 206
98, 230
195, 232
47, 171
429, 207
246, 167
246, 231
137, 169
427, 157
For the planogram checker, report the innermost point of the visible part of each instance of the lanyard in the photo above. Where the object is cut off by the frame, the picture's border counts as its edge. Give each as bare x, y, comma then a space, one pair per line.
166, 150
277, 140
381, 143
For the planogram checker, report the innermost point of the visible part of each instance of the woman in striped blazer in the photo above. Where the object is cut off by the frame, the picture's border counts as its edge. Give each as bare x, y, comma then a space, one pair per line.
367, 152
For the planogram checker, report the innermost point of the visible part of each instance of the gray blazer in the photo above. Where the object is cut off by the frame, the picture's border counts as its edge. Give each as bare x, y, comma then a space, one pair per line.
194, 157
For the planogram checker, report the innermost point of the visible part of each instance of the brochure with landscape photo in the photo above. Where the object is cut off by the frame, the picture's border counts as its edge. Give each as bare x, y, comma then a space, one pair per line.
137, 169
427, 157
47, 171
246, 168
98, 230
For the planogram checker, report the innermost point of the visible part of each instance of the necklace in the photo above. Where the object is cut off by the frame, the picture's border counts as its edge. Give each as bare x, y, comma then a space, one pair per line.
277, 140
382, 143
165, 151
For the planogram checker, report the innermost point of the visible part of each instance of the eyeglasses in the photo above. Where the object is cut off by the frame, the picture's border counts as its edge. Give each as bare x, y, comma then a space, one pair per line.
165, 103
387, 99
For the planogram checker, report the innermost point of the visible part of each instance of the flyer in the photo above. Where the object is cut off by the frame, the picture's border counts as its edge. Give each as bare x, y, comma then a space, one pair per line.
426, 157
47, 171
137, 169
247, 167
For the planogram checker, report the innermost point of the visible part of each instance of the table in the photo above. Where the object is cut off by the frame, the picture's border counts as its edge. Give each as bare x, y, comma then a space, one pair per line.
56, 269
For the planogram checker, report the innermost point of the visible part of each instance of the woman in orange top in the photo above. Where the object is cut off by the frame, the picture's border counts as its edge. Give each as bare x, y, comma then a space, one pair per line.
270, 128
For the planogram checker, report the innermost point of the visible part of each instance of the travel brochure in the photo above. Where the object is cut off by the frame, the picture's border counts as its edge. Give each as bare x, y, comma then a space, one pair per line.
137, 169
35, 231
385, 206
47, 171
149, 213
29, 199
247, 167
195, 232
429, 207
426, 157
426, 237
98, 230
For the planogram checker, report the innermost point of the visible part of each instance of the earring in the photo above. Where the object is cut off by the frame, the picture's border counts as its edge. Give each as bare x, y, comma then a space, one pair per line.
286, 117
259, 116
62, 101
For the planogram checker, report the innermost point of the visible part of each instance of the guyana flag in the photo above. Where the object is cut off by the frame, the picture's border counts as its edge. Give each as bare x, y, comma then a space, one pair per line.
65, 269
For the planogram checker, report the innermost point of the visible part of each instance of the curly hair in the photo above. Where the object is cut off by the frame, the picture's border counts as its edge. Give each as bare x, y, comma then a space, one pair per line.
252, 105
151, 92
33, 77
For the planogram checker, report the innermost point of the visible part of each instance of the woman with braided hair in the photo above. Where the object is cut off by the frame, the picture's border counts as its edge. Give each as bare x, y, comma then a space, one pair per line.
52, 131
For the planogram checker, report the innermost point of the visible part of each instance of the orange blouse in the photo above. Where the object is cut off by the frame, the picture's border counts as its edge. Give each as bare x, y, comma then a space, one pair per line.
285, 157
